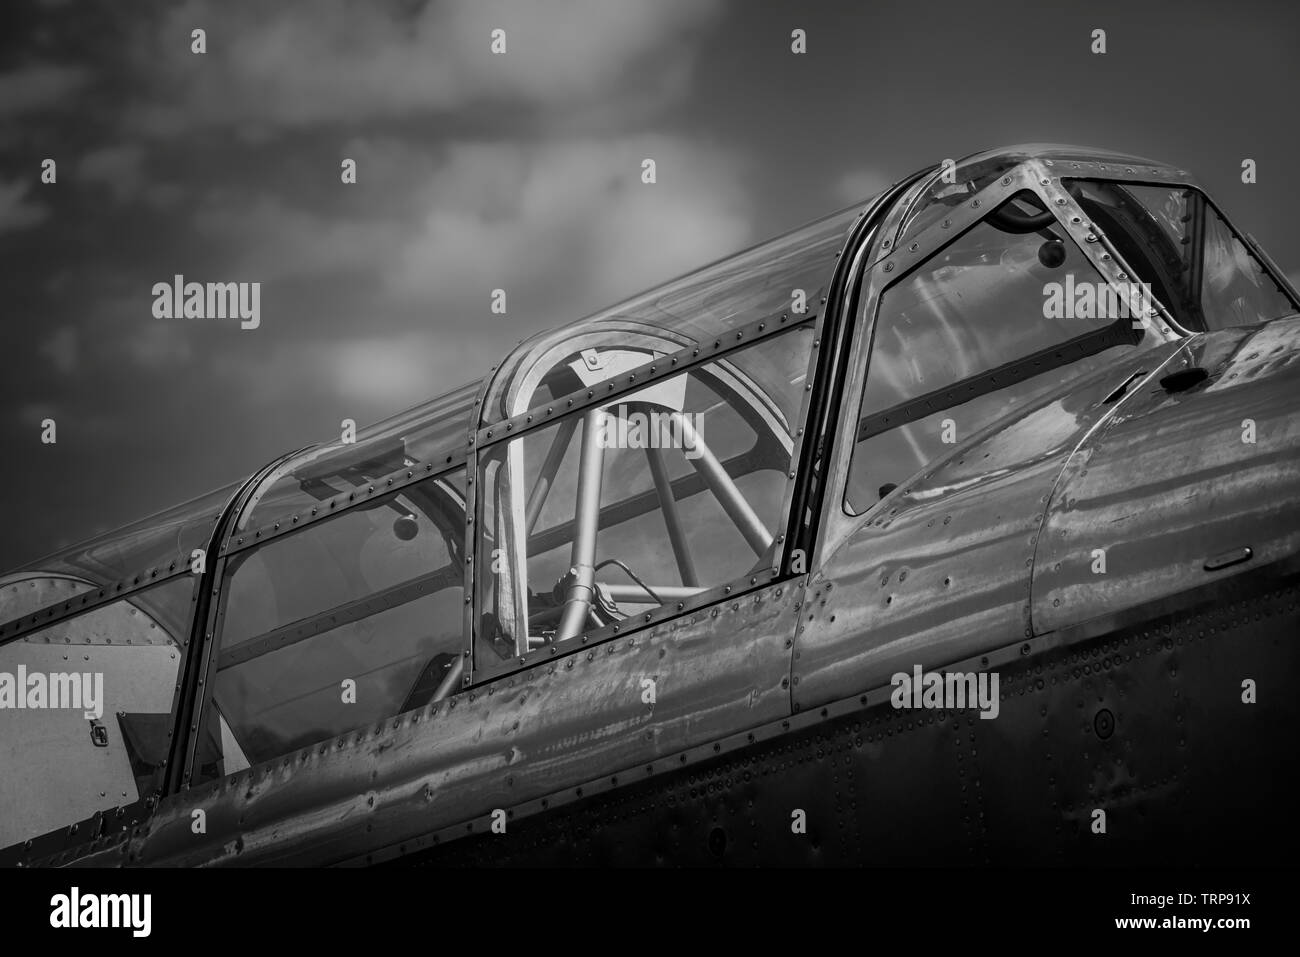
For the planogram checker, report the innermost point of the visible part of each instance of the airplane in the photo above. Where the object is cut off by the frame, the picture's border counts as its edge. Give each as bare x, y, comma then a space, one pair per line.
956, 527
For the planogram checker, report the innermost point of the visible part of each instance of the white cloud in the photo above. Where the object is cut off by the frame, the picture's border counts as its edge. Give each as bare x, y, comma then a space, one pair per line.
118, 168
299, 64
364, 376
392, 372
119, 331
156, 344
61, 350
268, 239
39, 87
29, 414
561, 226
572, 221
16, 211
566, 228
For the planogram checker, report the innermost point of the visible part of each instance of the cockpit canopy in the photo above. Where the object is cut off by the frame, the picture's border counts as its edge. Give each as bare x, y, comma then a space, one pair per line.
1201, 271
624, 466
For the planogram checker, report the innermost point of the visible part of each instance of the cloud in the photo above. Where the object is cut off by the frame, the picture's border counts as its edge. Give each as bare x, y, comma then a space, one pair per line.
29, 415
16, 212
559, 225
572, 222
39, 87
301, 64
118, 333
61, 350
364, 375
388, 371
118, 168
266, 238
155, 345
376, 307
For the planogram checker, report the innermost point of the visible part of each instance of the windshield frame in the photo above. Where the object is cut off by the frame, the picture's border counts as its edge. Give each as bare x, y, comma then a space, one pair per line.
1280, 280
1040, 176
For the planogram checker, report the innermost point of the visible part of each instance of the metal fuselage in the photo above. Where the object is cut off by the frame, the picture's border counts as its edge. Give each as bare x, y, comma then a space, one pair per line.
773, 736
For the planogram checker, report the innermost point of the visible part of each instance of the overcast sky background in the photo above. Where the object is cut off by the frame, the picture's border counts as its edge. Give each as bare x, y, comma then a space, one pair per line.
478, 171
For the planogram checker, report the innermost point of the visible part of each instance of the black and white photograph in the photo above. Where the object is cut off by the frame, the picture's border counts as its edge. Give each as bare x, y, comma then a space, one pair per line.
653, 437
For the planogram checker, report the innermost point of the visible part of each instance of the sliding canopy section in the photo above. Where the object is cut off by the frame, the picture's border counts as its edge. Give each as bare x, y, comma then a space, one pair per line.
434, 433
786, 274
656, 496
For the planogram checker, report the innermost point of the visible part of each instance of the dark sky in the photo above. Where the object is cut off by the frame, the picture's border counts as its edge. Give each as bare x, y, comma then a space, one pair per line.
476, 172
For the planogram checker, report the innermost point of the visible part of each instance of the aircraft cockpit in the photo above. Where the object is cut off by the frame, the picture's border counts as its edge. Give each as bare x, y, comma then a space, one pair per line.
641, 467
593, 513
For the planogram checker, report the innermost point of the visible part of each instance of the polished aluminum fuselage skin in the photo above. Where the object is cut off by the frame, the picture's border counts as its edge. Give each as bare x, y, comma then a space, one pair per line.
772, 695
